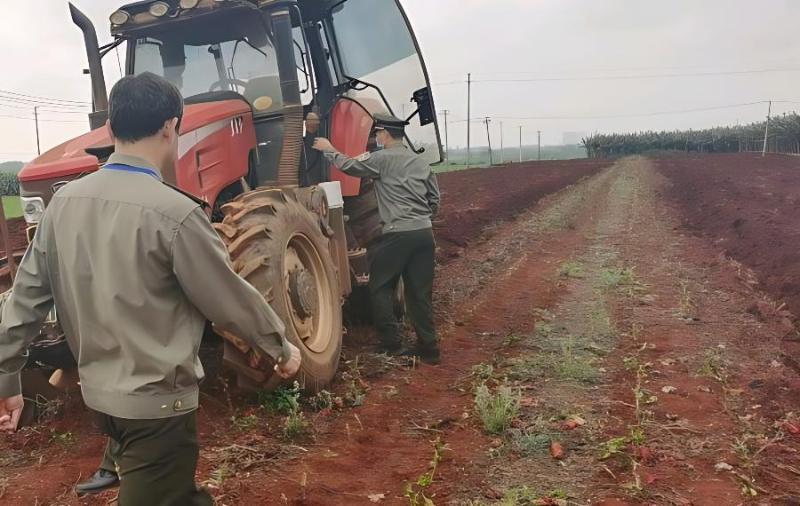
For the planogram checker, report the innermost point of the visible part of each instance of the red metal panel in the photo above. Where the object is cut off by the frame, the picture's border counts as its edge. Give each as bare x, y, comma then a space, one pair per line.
71, 159
351, 125
218, 159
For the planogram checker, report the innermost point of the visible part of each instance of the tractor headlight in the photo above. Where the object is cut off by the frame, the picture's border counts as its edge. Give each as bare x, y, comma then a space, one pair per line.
159, 9
119, 18
188, 4
32, 209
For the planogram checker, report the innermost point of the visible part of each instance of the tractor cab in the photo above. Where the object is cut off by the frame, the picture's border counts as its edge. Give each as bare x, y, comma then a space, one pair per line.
250, 71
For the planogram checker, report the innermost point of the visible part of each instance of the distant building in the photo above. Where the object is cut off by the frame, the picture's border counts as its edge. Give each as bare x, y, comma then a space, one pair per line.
573, 137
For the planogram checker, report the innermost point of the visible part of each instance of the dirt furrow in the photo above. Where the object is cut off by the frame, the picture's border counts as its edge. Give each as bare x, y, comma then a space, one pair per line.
643, 373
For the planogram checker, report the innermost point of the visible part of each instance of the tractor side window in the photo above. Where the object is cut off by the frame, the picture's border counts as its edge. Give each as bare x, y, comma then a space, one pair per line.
304, 77
375, 45
366, 47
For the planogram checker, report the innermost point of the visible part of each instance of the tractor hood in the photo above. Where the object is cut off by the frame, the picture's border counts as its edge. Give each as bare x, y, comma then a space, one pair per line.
87, 152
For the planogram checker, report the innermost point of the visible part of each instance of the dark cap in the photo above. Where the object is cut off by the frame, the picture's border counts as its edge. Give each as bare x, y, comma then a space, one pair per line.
389, 122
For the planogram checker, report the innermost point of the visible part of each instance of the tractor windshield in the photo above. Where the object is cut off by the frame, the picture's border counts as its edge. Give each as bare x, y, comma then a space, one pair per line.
201, 56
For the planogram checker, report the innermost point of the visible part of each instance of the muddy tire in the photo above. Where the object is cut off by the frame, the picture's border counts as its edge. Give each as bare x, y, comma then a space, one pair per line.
280, 247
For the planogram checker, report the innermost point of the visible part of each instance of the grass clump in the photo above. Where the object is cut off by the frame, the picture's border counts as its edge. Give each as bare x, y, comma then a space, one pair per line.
568, 364
618, 276
571, 270
497, 410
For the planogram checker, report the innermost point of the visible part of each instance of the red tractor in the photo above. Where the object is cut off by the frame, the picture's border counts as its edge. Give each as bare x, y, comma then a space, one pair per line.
249, 71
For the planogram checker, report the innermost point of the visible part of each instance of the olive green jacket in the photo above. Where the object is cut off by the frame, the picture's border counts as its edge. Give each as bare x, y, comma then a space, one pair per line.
405, 186
134, 269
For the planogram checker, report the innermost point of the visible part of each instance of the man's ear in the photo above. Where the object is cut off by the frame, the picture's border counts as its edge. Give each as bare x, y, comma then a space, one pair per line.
170, 128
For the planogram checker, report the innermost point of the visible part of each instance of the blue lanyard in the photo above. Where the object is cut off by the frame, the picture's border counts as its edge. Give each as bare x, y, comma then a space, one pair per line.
131, 168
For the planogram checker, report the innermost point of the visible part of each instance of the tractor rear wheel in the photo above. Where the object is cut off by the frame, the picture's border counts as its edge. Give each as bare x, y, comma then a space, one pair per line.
279, 247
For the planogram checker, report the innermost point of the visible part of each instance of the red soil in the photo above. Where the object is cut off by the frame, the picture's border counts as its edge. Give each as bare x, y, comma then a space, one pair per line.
748, 205
477, 198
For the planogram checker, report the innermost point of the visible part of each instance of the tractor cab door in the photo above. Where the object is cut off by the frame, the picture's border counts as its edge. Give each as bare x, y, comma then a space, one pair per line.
380, 69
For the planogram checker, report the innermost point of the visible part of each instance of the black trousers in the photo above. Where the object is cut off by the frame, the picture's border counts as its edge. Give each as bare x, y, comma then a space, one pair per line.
412, 256
155, 459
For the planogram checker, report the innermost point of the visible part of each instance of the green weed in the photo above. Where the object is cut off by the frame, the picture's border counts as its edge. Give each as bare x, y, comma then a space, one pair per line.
322, 400
618, 277
284, 400
497, 410
482, 372
63, 438
415, 492
571, 269
714, 365
295, 426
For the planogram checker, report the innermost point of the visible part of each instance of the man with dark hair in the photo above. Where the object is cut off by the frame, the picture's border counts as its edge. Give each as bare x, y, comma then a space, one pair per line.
408, 196
135, 269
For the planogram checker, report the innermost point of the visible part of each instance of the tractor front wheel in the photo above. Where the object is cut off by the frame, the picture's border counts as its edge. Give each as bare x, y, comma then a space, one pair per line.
278, 246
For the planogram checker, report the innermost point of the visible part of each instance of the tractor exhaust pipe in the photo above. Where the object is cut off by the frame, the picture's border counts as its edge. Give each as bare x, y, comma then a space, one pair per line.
289, 165
99, 96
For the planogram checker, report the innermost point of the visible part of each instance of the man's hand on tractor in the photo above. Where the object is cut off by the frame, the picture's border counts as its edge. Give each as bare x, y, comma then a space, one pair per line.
289, 368
323, 144
10, 411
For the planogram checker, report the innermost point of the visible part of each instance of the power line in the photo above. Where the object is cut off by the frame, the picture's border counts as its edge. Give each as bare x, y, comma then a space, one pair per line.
636, 115
30, 108
46, 120
60, 105
623, 77
47, 99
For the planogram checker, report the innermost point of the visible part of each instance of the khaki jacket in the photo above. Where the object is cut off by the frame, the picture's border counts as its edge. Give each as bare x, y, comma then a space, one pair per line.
134, 269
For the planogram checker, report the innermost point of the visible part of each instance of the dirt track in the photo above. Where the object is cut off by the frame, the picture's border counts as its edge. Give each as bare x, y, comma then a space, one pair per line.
624, 335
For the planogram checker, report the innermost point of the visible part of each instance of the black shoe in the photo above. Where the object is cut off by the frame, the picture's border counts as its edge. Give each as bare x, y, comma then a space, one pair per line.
101, 480
389, 349
429, 356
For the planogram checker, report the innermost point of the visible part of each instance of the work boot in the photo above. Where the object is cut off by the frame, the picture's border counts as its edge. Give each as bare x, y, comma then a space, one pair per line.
101, 480
390, 349
426, 355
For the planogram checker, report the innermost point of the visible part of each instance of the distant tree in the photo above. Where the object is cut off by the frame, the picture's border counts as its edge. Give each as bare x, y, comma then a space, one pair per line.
9, 184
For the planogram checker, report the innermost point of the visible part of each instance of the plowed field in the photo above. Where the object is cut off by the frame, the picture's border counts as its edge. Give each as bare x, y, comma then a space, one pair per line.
599, 347
749, 206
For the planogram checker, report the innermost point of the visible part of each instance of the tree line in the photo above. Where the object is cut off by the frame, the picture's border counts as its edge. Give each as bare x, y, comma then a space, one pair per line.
784, 137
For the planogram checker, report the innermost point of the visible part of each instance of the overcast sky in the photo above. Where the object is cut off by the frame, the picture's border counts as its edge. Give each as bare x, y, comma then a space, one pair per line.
496, 39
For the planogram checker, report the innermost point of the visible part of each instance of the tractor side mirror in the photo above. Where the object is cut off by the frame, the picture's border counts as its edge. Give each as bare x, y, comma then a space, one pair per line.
424, 106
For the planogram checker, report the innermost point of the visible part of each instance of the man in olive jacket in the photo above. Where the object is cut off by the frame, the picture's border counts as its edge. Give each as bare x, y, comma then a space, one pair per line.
135, 269
408, 196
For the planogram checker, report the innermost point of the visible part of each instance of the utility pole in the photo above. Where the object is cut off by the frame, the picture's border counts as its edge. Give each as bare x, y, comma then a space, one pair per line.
520, 144
766, 130
501, 144
469, 113
539, 136
489, 138
36, 120
446, 141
